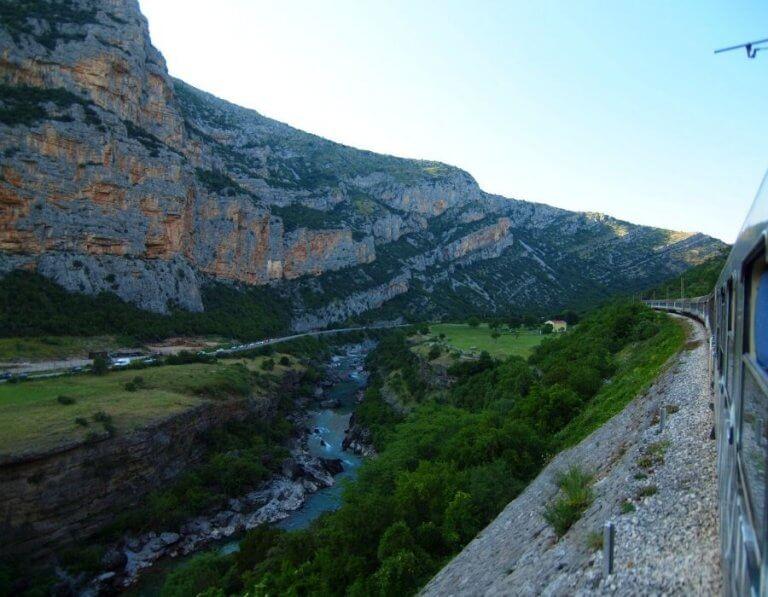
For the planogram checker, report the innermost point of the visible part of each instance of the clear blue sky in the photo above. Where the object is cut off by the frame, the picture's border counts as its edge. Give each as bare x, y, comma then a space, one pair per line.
618, 107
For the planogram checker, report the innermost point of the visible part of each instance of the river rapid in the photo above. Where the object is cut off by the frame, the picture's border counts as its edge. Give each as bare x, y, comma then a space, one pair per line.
324, 422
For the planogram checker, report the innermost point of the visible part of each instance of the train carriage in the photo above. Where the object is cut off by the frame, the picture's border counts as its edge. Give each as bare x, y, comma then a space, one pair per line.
736, 315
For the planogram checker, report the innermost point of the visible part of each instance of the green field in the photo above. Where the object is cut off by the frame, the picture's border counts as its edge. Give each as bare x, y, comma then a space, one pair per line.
53, 347
477, 339
33, 419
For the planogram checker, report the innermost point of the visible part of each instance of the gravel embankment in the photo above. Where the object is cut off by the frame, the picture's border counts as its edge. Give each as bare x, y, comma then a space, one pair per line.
667, 545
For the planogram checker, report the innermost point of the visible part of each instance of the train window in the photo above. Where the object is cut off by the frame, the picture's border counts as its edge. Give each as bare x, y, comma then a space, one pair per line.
760, 320
754, 419
756, 332
729, 306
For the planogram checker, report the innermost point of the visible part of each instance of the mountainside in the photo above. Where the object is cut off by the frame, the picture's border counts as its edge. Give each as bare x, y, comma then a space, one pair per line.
116, 178
699, 280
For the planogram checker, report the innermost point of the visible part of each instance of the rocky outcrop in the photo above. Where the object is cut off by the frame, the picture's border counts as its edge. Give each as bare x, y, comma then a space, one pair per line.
274, 501
357, 439
316, 251
359, 302
156, 187
495, 236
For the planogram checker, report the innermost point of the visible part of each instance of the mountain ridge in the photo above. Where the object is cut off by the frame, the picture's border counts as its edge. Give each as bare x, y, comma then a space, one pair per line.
118, 178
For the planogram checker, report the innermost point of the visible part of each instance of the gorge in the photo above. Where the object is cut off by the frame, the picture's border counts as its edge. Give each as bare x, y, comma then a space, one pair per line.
135, 473
257, 361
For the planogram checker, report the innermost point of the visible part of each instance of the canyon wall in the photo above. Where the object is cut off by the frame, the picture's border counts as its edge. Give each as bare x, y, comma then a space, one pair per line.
114, 177
51, 500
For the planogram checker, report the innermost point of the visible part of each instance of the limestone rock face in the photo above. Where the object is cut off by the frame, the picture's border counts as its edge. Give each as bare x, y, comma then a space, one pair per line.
100, 50
115, 177
315, 251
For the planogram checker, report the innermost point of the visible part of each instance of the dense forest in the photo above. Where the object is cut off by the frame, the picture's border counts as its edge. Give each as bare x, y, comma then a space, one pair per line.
447, 467
31, 305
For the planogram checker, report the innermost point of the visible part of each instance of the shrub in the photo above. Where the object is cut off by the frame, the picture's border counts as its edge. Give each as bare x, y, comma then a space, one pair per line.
595, 540
102, 417
186, 357
627, 507
61, 399
647, 491
83, 559
461, 522
106, 421
201, 573
576, 496
135, 384
645, 462
285, 361
654, 455
100, 365
268, 364
657, 450
395, 539
82, 421
434, 352
92, 437
255, 546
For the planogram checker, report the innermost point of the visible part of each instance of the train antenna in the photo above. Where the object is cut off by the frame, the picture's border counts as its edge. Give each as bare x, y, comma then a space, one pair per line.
752, 48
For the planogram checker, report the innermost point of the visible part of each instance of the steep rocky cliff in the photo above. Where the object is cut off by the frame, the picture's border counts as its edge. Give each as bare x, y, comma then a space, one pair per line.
53, 499
115, 177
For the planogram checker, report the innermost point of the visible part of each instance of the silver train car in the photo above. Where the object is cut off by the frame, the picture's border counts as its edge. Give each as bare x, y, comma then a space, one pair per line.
736, 316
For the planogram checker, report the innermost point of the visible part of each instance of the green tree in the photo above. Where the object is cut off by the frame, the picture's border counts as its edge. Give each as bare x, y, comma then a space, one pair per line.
399, 574
203, 572
460, 522
255, 546
396, 538
473, 322
547, 328
100, 365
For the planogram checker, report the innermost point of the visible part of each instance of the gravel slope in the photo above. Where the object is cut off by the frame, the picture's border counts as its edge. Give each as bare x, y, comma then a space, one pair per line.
667, 545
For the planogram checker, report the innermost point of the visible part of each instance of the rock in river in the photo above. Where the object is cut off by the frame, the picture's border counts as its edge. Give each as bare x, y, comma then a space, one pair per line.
332, 465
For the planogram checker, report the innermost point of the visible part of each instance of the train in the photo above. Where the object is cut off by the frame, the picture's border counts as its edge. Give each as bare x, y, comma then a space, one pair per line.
735, 314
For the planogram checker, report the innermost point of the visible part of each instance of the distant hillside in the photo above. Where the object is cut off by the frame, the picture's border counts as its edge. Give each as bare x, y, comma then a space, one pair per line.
699, 280
118, 179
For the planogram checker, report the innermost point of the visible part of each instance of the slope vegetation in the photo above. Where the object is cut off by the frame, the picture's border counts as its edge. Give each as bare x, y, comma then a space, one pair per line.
452, 463
699, 280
